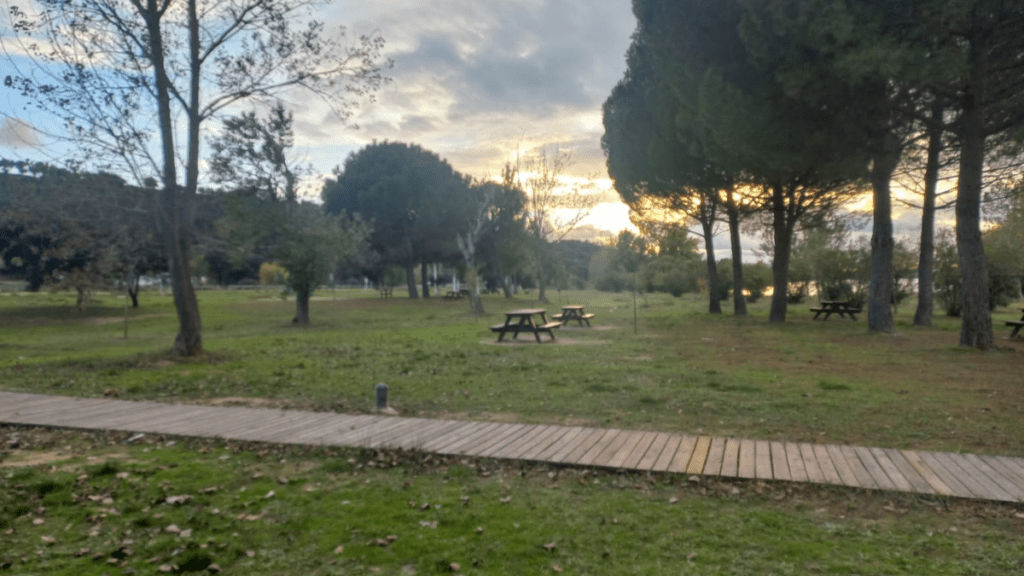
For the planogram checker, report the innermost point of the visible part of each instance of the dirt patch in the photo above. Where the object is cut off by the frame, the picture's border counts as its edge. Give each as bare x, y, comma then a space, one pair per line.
114, 320
528, 341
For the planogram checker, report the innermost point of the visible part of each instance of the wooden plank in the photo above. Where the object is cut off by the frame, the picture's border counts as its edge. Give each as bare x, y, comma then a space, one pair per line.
949, 478
613, 448
583, 447
1015, 493
644, 444
304, 426
780, 465
716, 453
763, 460
418, 440
609, 438
864, 478
668, 454
522, 444
465, 437
974, 479
899, 481
746, 464
731, 458
1016, 465
843, 467
493, 440
683, 454
552, 439
917, 481
458, 434
921, 467
632, 450
658, 445
568, 443
874, 468
406, 427
700, 455
814, 473
331, 429
260, 431
795, 460
511, 436
828, 469
336, 433
1011, 475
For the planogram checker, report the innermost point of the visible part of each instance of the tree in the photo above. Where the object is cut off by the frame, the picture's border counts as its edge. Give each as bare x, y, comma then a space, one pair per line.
795, 159
413, 197
86, 230
167, 68
252, 154
554, 206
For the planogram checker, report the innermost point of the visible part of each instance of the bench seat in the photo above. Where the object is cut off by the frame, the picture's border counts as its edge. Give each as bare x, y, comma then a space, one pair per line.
587, 316
1017, 325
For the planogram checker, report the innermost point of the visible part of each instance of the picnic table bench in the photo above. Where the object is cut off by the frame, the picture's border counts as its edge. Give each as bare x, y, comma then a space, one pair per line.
385, 292
830, 307
1017, 325
573, 312
518, 321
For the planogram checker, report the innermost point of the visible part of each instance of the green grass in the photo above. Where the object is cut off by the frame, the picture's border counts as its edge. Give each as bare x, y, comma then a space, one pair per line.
268, 510
683, 370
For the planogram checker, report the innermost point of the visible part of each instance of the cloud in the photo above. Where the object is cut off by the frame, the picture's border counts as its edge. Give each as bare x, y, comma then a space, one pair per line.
475, 81
15, 133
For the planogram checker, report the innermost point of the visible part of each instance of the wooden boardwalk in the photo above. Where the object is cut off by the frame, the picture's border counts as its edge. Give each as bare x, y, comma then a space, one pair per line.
994, 478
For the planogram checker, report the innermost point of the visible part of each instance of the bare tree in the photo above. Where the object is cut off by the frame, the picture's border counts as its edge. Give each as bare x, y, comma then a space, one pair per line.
117, 72
554, 207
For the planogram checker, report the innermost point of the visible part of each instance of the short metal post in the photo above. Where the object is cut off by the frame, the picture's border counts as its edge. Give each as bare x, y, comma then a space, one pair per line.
381, 391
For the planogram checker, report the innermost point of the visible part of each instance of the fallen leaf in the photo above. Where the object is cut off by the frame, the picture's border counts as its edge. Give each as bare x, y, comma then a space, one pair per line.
691, 556
282, 480
549, 546
47, 539
122, 475
556, 568
479, 529
337, 550
38, 521
673, 500
213, 569
455, 566
506, 499
173, 529
269, 494
429, 524
179, 499
185, 533
165, 568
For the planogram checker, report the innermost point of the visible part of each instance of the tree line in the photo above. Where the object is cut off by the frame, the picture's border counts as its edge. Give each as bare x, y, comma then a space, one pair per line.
787, 109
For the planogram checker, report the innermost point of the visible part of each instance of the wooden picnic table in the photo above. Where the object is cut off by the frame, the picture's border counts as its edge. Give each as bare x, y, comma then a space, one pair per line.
457, 294
522, 320
573, 312
830, 307
1017, 325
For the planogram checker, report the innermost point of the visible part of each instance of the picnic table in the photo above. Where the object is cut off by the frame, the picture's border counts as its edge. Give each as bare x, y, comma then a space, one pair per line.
522, 320
1017, 325
457, 294
573, 312
830, 307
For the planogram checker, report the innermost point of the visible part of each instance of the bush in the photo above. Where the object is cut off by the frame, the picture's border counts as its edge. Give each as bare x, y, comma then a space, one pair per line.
272, 273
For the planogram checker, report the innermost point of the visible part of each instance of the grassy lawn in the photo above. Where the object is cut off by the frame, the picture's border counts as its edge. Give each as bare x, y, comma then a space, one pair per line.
683, 370
93, 505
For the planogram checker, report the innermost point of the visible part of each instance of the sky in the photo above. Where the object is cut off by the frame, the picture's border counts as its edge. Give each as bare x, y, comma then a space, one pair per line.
474, 81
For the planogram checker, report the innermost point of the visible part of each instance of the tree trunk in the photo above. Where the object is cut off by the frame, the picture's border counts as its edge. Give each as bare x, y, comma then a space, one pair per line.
782, 234
301, 307
714, 288
176, 231
880, 291
926, 260
739, 302
132, 287
542, 295
410, 280
476, 305
976, 318
425, 279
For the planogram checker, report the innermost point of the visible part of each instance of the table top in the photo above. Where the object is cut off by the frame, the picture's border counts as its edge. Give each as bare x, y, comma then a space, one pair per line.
526, 312
835, 302
573, 307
